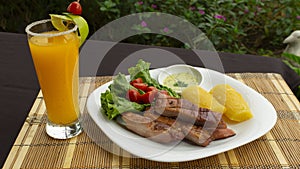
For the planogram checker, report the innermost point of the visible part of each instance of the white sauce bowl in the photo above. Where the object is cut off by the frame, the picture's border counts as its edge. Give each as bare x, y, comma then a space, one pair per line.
177, 69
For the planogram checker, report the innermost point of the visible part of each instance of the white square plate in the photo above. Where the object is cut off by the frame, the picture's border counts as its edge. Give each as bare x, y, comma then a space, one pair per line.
264, 118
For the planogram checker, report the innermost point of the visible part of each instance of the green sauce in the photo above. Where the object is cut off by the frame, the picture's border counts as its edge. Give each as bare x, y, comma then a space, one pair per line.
179, 81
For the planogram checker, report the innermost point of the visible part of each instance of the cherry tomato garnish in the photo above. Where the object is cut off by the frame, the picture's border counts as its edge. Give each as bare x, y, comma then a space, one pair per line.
149, 96
141, 86
133, 95
75, 8
138, 80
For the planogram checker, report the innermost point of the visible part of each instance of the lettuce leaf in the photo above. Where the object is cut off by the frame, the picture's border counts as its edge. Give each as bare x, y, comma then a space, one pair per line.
113, 105
120, 86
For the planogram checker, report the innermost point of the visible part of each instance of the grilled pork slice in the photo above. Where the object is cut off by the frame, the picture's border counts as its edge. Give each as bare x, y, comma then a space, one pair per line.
222, 133
188, 112
149, 128
191, 132
194, 133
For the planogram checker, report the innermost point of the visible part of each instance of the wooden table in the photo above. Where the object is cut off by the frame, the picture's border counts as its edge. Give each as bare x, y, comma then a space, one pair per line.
278, 148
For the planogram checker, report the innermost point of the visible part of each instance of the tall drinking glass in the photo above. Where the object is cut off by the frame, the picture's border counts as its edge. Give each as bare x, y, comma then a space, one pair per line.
55, 55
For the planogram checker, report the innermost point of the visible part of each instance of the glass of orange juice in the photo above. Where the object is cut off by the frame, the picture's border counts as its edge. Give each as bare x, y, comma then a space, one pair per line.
56, 55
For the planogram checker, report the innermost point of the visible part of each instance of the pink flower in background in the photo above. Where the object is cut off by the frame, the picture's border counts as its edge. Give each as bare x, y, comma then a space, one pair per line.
140, 2
143, 24
220, 17
153, 6
246, 11
202, 12
298, 17
166, 29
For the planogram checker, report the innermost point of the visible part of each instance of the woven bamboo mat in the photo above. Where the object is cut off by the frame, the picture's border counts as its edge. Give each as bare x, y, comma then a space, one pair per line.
279, 148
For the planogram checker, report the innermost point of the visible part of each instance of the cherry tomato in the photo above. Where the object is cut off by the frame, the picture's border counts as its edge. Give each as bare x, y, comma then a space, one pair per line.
133, 95
75, 8
141, 86
138, 80
149, 96
151, 88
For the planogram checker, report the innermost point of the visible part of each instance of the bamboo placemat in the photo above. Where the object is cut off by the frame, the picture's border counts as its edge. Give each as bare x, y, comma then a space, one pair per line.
279, 148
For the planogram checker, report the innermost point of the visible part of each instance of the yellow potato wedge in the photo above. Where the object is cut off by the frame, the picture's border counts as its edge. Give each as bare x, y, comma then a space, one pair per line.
237, 109
202, 98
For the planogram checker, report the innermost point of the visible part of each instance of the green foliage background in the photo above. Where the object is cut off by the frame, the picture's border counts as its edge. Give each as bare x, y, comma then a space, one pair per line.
243, 26
237, 26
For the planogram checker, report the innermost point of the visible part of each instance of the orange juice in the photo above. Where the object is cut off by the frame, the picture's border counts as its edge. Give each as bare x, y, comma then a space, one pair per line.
56, 63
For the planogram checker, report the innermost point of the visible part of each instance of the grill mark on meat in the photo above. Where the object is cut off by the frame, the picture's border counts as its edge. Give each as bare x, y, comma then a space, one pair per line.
199, 136
192, 116
168, 101
193, 133
161, 126
149, 128
187, 111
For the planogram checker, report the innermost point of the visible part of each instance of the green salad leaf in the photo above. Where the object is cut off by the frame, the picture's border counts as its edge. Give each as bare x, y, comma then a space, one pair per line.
114, 102
142, 70
113, 105
120, 86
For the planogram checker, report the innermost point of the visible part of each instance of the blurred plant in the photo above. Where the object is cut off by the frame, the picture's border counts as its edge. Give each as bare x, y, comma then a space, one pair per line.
15, 15
292, 61
237, 26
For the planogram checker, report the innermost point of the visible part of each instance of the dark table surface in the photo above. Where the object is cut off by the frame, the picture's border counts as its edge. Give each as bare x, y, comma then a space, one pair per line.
19, 84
